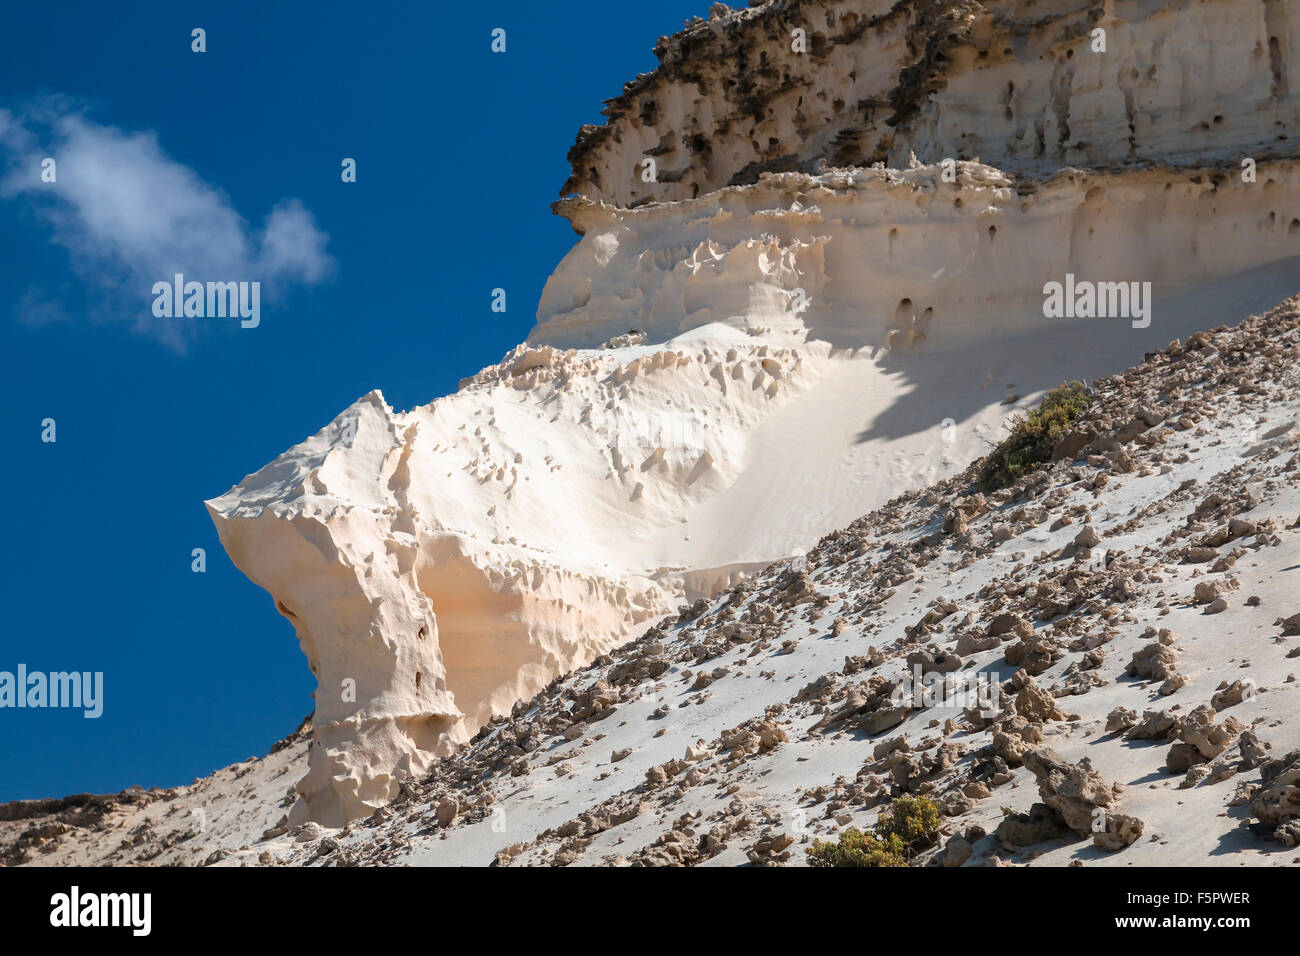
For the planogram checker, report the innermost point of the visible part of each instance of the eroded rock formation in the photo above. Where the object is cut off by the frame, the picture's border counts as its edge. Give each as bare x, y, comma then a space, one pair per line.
758, 346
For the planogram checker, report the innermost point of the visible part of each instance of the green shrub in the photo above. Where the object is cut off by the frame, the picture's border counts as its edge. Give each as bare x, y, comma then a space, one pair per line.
856, 848
1034, 436
908, 825
914, 820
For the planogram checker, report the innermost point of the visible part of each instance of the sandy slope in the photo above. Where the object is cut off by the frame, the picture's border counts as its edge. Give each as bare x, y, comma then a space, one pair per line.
719, 769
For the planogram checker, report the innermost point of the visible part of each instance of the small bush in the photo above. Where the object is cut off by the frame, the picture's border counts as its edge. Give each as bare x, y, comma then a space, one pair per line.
1034, 436
856, 848
908, 825
914, 820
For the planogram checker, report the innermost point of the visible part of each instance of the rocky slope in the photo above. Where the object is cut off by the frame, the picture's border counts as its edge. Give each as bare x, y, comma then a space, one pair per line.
807, 278
1122, 626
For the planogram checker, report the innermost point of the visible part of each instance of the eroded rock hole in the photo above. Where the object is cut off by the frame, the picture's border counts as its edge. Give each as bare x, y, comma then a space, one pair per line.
904, 314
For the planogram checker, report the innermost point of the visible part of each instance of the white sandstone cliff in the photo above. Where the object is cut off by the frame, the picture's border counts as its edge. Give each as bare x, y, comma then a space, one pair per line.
805, 344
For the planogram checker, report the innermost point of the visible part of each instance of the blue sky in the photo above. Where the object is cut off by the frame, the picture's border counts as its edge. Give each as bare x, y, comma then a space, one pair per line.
230, 160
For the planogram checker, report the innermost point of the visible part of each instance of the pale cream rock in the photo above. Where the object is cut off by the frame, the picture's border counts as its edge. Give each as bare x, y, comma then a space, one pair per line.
718, 379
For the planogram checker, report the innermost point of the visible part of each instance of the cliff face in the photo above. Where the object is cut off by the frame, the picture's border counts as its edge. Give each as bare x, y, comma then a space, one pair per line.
894, 258
733, 361
1016, 84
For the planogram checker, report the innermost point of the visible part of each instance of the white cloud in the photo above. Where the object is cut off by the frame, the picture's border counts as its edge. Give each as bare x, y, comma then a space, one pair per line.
129, 215
292, 245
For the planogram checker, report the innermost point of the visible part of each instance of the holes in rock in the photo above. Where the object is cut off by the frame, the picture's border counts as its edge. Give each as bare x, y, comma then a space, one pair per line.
904, 314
